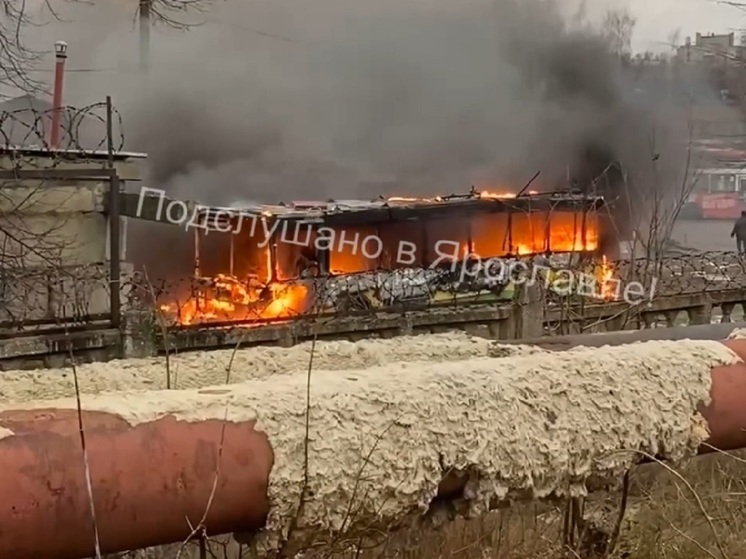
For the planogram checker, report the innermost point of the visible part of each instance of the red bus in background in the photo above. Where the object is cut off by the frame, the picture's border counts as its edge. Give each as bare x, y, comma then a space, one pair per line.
719, 194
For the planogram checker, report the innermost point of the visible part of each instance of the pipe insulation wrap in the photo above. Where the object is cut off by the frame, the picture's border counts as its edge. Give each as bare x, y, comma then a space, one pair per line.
381, 440
207, 368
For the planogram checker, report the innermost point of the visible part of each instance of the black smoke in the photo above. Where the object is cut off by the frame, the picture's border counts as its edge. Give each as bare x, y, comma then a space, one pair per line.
407, 98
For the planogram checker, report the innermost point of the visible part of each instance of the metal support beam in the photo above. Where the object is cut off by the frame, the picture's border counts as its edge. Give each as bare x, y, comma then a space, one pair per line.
58, 174
148, 208
115, 249
115, 225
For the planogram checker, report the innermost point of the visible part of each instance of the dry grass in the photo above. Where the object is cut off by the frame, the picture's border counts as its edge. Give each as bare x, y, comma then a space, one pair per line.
663, 520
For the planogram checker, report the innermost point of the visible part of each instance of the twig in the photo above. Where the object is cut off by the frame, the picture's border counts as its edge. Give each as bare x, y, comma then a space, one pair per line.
162, 324
690, 539
200, 527
622, 511
229, 367
306, 449
88, 482
688, 485
567, 525
529, 183
728, 454
359, 477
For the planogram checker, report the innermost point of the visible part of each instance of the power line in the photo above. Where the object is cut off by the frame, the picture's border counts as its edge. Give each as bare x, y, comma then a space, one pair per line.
214, 22
254, 31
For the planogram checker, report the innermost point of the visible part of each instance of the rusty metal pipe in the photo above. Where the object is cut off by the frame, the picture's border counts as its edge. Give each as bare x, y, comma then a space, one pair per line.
60, 48
147, 481
726, 413
150, 478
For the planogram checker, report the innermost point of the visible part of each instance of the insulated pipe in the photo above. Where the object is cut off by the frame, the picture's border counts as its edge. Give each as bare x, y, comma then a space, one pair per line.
149, 481
699, 332
152, 481
726, 413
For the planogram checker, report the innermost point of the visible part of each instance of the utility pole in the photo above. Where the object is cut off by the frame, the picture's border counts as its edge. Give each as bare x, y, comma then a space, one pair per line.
144, 35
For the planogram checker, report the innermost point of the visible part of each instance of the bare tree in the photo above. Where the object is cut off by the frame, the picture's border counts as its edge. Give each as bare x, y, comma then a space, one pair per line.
172, 13
673, 40
618, 27
15, 58
664, 196
740, 4
18, 59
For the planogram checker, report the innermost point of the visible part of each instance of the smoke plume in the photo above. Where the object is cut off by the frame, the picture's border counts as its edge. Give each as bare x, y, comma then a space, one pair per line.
335, 99
383, 98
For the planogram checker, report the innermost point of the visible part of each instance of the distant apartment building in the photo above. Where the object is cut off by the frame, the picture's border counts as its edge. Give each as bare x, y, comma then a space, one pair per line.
712, 48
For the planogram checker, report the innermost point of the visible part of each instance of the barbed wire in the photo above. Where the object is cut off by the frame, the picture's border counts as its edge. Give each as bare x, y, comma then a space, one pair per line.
35, 294
35, 298
691, 273
225, 299
53, 243
83, 129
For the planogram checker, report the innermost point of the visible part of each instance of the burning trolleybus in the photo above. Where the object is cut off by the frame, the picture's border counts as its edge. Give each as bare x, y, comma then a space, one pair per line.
277, 261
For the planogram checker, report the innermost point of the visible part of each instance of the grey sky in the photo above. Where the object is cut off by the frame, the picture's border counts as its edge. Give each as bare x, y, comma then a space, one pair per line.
103, 35
657, 19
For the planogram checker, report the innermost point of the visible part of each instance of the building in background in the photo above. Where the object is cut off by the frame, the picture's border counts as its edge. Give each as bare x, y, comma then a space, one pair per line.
711, 49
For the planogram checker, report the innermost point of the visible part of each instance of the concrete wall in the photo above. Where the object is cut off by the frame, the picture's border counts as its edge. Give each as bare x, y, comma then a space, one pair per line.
526, 318
142, 335
54, 239
128, 166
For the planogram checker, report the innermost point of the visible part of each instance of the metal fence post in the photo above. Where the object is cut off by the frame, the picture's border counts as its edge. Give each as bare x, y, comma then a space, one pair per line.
115, 230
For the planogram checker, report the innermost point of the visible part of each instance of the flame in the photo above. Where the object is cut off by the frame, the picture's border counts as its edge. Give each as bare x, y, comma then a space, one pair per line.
225, 298
412, 199
268, 263
500, 195
406, 199
486, 194
234, 300
523, 234
605, 277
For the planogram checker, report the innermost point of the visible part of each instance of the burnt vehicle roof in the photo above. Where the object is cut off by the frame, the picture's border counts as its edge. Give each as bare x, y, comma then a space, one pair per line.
359, 212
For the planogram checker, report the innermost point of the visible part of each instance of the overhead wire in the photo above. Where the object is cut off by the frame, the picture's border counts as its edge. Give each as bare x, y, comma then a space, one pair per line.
135, 69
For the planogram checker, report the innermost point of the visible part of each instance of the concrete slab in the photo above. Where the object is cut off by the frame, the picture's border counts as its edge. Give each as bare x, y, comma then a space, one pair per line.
43, 197
29, 241
128, 168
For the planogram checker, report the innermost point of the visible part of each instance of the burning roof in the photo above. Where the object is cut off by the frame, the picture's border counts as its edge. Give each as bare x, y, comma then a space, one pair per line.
394, 208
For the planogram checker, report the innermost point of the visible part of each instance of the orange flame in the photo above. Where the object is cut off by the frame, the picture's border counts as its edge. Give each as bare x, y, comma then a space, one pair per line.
235, 301
499, 195
410, 199
486, 194
226, 298
605, 277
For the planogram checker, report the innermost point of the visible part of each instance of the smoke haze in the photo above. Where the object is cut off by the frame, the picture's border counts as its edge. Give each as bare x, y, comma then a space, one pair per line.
381, 98
334, 99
